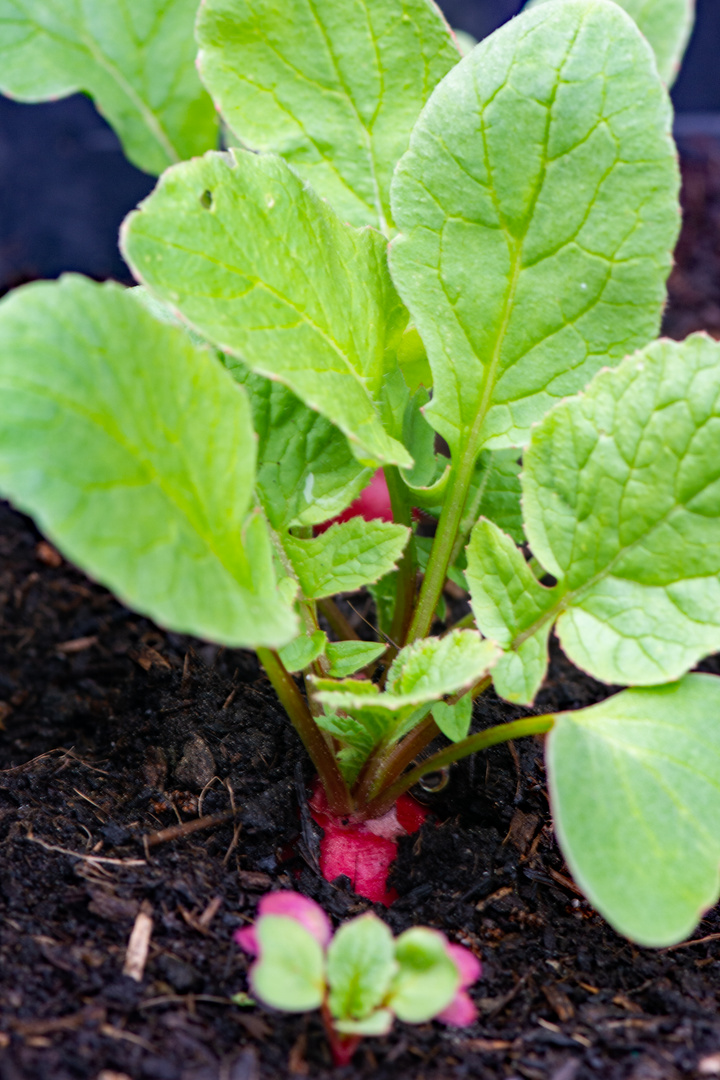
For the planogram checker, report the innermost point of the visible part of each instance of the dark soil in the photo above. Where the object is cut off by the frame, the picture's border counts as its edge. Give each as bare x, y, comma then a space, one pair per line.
116, 731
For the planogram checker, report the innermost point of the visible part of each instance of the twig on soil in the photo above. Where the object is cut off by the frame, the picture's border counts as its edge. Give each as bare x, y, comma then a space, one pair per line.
695, 941
492, 1007
204, 791
127, 1036
77, 645
176, 999
177, 832
236, 829
81, 855
139, 944
31, 1028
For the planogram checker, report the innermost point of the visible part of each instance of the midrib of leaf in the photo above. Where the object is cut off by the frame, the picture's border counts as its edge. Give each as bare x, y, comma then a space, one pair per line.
367, 133
473, 445
257, 282
150, 120
115, 435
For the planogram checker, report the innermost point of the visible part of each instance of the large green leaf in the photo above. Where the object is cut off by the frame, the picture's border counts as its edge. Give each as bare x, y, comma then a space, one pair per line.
335, 86
538, 207
666, 24
135, 453
306, 472
360, 965
635, 791
621, 492
346, 557
263, 268
136, 59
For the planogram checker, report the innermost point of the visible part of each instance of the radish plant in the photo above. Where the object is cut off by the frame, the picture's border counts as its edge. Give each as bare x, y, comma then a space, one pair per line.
399, 244
361, 978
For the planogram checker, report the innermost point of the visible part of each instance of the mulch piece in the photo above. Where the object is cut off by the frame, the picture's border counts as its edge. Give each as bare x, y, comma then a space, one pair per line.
149, 795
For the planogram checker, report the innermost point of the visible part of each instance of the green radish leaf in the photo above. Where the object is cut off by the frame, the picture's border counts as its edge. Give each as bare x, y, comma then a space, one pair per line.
423, 547
667, 24
134, 57
301, 652
264, 269
636, 802
495, 493
358, 735
347, 657
621, 491
422, 672
465, 42
378, 1023
290, 974
511, 607
384, 594
413, 361
427, 979
306, 470
332, 85
538, 210
360, 966
134, 452
454, 720
345, 557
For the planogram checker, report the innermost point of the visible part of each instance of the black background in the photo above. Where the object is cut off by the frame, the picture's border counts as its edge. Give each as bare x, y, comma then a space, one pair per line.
65, 185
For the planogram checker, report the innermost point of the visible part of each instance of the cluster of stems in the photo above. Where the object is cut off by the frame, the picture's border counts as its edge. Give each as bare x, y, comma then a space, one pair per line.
390, 770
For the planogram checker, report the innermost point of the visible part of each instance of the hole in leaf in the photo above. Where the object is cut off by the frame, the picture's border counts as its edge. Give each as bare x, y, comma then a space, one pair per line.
206, 199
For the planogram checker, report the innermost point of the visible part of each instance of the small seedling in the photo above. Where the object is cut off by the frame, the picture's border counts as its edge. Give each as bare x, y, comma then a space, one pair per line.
418, 245
361, 978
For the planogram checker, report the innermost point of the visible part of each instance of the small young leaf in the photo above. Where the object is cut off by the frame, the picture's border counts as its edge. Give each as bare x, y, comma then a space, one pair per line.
511, 607
358, 736
433, 667
347, 657
378, 1023
621, 490
454, 720
301, 652
360, 965
306, 470
666, 24
345, 557
636, 804
135, 453
422, 672
538, 210
134, 57
263, 268
332, 85
427, 979
290, 974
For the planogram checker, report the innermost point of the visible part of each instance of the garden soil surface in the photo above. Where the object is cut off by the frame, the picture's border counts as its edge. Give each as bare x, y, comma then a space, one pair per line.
151, 781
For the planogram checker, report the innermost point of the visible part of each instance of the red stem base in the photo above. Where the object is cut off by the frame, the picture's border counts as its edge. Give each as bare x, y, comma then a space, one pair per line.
364, 851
